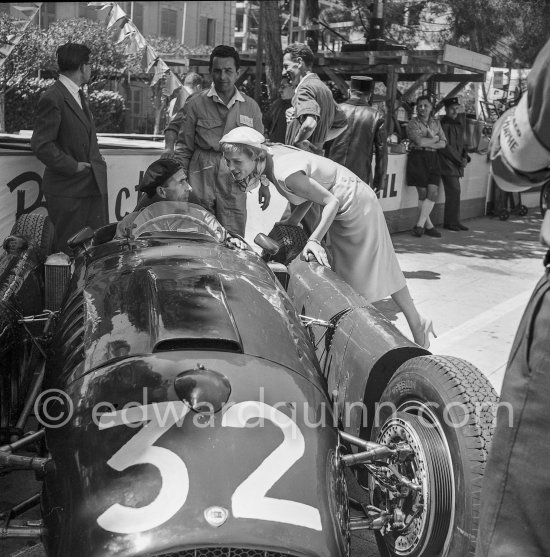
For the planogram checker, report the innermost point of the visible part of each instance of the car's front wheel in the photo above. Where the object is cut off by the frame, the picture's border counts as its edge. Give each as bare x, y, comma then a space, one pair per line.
443, 408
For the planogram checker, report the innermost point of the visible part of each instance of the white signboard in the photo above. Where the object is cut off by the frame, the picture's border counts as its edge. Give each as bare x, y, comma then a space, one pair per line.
21, 178
21, 181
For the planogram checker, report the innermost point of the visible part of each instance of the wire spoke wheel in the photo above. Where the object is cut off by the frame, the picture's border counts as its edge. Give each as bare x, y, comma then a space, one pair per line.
427, 514
444, 408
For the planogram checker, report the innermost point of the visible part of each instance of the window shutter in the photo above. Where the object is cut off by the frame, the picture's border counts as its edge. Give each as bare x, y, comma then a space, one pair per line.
203, 30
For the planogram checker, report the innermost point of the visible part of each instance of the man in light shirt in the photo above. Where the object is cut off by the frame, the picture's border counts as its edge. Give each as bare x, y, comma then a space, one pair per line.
207, 117
64, 139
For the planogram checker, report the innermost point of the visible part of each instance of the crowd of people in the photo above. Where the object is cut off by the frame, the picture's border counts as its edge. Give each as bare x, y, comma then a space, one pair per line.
216, 152
321, 162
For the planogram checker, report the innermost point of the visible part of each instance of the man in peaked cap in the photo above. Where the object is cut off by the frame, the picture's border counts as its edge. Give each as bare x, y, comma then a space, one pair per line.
166, 180
366, 132
515, 502
453, 158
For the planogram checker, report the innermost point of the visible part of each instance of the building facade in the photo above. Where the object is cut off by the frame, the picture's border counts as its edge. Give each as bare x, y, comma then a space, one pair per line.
193, 24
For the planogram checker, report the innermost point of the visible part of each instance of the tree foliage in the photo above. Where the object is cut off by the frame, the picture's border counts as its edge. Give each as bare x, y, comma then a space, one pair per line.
107, 58
512, 31
531, 30
26, 58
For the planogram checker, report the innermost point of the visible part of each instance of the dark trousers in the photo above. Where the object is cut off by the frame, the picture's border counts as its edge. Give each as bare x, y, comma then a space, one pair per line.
515, 502
69, 215
452, 200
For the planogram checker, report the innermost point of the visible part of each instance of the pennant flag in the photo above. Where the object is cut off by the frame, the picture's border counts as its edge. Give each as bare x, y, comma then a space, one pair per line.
28, 11
172, 83
116, 15
150, 57
131, 47
140, 40
156, 78
126, 31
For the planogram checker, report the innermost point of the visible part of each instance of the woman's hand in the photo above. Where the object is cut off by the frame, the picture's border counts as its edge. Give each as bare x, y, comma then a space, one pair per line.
314, 248
233, 242
264, 197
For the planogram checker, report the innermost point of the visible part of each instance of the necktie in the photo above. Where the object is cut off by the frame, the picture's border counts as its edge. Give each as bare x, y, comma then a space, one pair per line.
84, 103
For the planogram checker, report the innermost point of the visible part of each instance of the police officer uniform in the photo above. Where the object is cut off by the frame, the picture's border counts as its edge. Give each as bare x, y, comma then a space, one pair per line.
452, 160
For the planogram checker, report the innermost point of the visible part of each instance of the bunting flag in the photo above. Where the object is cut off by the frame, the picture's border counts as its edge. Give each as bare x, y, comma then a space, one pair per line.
126, 31
135, 42
160, 69
172, 83
28, 12
150, 58
117, 14
12, 40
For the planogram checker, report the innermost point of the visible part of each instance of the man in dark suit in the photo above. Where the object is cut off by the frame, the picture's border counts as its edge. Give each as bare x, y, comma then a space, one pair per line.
366, 132
64, 139
453, 158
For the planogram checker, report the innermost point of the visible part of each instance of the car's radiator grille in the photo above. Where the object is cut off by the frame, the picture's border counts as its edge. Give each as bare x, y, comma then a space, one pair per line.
224, 552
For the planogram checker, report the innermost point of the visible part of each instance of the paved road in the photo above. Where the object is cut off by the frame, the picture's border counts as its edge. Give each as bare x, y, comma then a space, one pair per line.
474, 285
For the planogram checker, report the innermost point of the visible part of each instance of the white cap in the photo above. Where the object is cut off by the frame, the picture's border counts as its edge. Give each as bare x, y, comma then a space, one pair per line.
245, 136
504, 171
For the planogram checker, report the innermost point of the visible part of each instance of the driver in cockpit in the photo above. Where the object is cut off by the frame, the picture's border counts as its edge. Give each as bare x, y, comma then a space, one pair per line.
165, 180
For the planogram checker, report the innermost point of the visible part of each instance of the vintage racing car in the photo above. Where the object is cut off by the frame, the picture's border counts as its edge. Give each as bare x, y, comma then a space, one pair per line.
198, 400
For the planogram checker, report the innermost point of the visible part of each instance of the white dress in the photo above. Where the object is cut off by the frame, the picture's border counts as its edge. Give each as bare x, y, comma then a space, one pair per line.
358, 237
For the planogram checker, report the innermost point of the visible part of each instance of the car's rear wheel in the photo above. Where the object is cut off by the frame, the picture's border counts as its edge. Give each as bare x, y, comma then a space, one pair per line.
444, 408
39, 229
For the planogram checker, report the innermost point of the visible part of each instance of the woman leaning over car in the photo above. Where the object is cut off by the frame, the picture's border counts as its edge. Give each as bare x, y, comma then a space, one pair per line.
351, 215
423, 171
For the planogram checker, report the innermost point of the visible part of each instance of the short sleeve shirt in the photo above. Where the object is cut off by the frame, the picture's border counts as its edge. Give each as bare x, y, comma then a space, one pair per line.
416, 129
287, 161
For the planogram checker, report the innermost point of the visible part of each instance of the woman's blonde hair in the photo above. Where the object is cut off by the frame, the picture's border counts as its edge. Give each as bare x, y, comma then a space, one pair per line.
253, 152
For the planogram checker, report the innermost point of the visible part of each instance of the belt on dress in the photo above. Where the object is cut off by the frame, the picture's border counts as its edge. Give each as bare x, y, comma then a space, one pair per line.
423, 149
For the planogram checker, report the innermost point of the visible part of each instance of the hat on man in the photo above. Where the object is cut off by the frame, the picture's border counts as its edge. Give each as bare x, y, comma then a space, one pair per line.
450, 102
157, 174
361, 83
246, 136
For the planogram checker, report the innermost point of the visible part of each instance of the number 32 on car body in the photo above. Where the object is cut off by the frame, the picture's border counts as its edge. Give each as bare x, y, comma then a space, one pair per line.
248, 499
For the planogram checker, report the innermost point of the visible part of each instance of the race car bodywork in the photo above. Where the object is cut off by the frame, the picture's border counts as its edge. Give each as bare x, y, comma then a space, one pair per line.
192, 405
139, 315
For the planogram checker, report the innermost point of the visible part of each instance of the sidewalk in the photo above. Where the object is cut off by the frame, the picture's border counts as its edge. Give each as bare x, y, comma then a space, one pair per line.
474, 285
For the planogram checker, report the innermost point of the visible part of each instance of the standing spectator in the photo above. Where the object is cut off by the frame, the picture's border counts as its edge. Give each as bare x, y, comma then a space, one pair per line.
275, 118
453, 158
191, 84
366, 132
314, 112
514, 501
314, 116
423, 169
64, 139
207, 116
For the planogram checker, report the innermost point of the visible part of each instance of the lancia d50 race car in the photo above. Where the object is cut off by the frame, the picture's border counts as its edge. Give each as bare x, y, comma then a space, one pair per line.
199, 400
